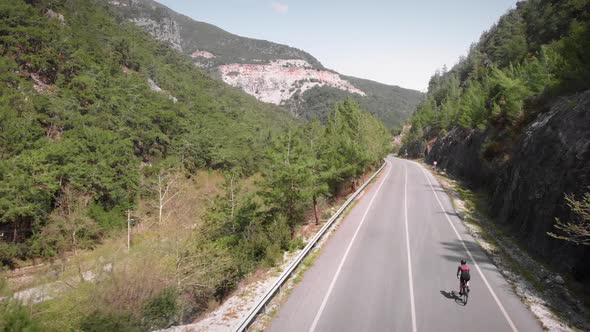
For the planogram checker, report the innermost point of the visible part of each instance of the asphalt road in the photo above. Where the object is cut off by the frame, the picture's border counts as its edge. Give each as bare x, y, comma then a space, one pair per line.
391, 266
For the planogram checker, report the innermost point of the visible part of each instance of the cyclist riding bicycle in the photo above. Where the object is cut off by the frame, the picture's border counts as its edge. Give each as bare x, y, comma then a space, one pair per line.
463, 275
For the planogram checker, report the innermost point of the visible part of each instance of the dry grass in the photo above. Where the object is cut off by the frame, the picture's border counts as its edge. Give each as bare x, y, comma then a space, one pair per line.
132, 277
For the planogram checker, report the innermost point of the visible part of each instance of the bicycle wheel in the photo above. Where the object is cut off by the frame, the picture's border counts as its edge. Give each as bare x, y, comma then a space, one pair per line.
465, 296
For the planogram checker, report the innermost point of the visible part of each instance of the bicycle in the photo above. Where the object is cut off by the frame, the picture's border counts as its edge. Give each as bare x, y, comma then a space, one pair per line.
464, 292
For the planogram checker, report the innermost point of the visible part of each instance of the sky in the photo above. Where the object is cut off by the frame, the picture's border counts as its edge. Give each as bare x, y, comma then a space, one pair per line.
394, 42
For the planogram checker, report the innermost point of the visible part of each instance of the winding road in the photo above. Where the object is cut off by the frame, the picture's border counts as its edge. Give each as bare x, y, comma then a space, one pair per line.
391, 264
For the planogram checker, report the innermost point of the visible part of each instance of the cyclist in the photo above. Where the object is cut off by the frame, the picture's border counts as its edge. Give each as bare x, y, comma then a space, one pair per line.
463, 276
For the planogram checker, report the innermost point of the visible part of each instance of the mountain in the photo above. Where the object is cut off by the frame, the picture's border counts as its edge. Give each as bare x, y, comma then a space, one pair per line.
271, 72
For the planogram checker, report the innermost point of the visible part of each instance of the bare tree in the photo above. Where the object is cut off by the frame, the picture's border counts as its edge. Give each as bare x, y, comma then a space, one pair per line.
166, 188
69, 218
577, 230
69, 227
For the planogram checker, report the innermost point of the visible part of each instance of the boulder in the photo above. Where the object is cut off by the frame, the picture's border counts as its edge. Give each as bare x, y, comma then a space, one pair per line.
559, 280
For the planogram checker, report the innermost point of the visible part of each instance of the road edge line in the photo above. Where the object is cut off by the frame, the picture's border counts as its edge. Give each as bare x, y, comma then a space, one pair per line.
485, 280
412, 305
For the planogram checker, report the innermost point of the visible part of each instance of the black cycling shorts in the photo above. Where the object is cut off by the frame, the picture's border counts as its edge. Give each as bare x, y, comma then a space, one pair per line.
465, 276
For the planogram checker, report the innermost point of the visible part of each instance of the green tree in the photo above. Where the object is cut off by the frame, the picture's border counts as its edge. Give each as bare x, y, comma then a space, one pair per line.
287, 177
315, 143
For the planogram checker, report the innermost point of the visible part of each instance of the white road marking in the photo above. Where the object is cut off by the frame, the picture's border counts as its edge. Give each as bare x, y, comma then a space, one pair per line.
485, 280
413, 308
319, 313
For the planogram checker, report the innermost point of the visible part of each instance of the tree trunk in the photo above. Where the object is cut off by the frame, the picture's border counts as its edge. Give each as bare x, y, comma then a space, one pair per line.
74, 244
14, 234
315, 210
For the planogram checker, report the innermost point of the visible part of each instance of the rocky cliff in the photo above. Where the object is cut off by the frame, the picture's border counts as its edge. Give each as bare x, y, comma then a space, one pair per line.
271, 72
280, 80
551, 157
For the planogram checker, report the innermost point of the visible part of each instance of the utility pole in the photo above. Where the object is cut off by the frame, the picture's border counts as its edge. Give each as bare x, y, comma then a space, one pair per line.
128, 230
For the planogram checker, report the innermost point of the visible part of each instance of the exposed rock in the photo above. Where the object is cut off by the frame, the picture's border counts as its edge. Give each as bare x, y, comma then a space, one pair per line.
50, 13
459, 153
166, 30
559, 279
202, 54
155, 87
40, 85
281, 79
117, 3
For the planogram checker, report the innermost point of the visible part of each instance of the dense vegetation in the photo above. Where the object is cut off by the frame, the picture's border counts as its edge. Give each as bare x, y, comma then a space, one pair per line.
390, 104
537, 50
83, 138
78, 114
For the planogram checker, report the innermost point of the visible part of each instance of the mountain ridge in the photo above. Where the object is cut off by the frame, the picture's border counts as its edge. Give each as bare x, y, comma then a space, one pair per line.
272, 72
222, 42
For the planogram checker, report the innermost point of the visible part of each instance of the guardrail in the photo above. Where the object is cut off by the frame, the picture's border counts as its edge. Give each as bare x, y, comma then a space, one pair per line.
249, 319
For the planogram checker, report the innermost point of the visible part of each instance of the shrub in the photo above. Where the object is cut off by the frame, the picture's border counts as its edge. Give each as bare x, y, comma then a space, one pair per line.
105, 322
7, 253
296, 244
16, 317
491, 150
162, 310
272, 255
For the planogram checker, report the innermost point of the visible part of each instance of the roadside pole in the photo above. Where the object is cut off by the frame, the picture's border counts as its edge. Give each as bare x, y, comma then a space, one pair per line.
128, 230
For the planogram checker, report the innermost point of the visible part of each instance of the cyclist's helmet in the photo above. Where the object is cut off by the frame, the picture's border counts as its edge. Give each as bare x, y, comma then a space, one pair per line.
463, 262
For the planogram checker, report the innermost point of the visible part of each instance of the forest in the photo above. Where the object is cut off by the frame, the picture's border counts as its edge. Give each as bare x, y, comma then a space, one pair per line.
97, 119
536, 51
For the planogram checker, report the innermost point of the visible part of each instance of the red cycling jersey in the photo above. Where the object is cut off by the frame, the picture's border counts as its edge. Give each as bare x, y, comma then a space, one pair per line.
463, 272
462, 268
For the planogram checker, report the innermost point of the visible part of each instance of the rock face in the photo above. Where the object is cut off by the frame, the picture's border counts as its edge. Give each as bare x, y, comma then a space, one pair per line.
271, 72
280, 80
155, 87
202, 54
550, 158
458, 153
165, 30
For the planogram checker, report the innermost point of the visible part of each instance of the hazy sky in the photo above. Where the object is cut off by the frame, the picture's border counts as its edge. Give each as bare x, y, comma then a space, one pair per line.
393, 42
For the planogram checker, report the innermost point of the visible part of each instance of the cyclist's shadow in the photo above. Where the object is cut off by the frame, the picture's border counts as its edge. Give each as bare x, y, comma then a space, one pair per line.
452, 295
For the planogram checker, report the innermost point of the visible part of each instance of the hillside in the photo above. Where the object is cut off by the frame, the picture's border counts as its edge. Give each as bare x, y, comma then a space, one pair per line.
87, 103
150, 98
380, 98
271, 72
511, 118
